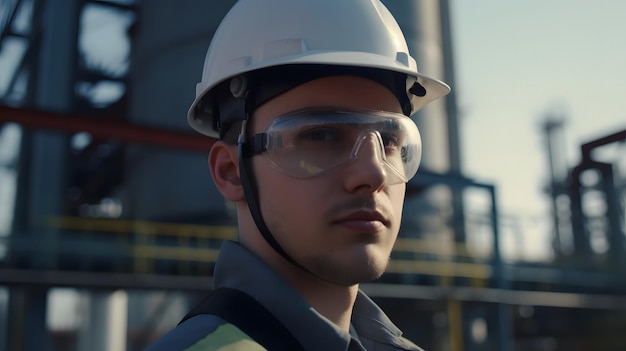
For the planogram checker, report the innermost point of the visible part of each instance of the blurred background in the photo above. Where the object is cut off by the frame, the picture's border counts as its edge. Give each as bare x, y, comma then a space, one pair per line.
513, 234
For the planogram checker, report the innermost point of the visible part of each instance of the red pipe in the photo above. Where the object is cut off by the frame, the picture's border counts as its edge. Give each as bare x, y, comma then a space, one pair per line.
105, 128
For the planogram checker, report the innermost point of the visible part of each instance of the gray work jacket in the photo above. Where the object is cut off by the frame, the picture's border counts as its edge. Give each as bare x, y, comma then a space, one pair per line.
239, 269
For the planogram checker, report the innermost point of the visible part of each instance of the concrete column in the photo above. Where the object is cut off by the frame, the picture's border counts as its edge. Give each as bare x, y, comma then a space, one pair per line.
106, 316
421, 25
436, 213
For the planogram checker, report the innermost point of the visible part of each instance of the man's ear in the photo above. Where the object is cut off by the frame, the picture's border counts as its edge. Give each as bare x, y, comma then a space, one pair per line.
225, 171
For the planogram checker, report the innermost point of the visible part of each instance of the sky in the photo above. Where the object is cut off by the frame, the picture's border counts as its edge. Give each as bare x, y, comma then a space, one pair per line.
518, 62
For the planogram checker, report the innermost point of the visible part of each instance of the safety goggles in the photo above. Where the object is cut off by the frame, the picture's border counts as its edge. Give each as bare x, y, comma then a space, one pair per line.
312, 142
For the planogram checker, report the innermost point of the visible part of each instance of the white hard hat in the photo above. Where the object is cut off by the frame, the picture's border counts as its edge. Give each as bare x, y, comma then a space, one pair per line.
259, 34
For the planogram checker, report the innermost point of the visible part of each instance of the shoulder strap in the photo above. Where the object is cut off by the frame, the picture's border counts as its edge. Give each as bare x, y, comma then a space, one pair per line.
247, 314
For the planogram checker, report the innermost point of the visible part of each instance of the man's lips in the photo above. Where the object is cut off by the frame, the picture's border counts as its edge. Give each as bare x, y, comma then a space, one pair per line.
363, 221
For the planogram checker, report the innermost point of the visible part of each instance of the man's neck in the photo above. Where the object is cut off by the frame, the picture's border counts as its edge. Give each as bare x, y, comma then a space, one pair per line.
334, 304
333, 301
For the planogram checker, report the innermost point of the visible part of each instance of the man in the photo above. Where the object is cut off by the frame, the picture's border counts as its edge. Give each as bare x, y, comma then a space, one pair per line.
310, 102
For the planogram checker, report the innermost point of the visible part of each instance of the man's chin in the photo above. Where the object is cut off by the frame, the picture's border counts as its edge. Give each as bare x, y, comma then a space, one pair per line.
349, 274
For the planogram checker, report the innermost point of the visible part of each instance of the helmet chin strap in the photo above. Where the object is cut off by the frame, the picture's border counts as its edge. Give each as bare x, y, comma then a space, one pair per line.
252, 196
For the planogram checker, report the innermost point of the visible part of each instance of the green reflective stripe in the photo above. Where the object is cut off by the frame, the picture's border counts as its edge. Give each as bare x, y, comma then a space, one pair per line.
226, 337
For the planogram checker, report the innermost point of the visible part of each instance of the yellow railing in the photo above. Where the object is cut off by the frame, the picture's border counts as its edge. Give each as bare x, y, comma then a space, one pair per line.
144, 227
200, 244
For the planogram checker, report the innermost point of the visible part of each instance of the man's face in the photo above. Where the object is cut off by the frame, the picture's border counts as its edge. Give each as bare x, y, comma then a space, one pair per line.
340, 225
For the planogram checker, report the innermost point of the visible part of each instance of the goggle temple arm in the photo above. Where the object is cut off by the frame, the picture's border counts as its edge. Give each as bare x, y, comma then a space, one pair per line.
255, 146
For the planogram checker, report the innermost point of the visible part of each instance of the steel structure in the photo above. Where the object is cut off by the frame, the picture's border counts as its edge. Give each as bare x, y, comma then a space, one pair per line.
76, 222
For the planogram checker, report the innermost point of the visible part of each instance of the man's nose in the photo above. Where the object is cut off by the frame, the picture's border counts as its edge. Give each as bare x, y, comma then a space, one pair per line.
370, 148
370, 154
368, 169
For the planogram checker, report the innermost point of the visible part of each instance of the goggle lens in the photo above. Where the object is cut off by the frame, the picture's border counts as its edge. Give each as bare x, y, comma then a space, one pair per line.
308, 143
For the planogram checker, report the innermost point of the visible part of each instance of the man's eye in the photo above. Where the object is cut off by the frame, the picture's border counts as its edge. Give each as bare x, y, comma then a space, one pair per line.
319, 134
390, 140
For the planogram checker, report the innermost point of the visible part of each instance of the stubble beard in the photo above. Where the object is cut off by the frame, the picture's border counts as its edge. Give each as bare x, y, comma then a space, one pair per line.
328, 269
